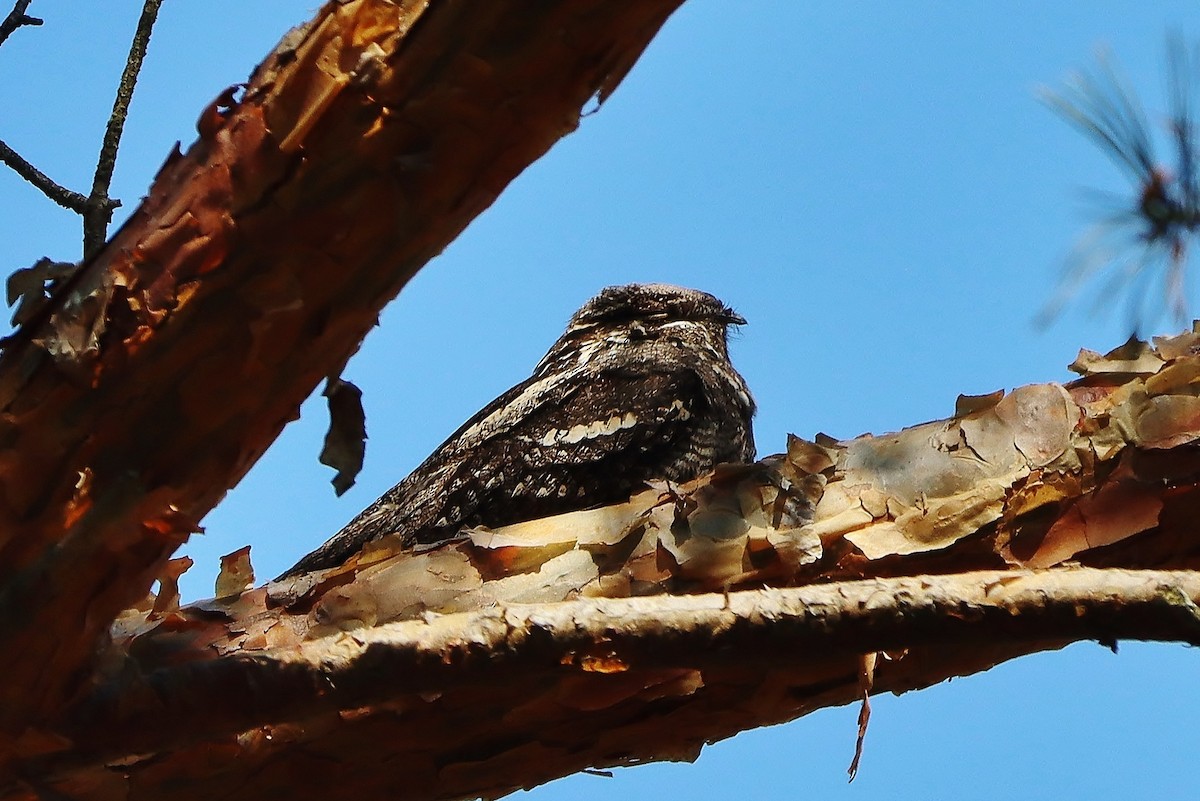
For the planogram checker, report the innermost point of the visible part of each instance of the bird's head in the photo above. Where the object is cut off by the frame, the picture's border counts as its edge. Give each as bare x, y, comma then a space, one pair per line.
644, 314
654, 304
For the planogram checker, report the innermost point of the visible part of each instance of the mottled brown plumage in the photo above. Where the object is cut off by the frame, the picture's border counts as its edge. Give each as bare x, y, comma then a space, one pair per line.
639, 387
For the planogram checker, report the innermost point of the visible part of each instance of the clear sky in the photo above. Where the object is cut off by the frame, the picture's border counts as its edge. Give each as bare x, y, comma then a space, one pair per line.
873, 185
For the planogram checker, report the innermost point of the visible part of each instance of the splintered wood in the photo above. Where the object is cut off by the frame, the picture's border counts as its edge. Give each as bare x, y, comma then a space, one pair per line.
646, 629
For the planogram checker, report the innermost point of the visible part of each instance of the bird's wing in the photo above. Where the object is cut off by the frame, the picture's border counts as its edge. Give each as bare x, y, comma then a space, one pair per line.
546, 446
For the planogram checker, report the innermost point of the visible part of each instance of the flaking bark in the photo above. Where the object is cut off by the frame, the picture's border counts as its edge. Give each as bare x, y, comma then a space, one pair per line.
1025, 522
607, 637
157, 376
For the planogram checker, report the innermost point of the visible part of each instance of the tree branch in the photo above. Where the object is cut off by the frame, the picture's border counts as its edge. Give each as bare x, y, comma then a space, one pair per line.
551, 689
260, 258
17, 18
756, 629
1025, 522
72, 201
258, 261
99, 206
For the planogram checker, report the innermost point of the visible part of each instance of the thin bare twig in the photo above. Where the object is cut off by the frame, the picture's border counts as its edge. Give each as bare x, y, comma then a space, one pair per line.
100, 206
59, 194
17, 18
96, 207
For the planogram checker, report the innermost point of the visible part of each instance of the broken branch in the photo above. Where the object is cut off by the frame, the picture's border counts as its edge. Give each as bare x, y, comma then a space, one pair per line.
17, 18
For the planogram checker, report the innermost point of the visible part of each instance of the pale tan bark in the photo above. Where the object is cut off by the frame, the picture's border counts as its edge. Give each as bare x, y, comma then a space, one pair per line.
490, 701
1024, 523
605, 637
257, 263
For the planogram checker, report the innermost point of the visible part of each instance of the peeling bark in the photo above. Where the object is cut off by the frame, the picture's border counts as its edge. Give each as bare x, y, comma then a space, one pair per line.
488, 702
148, 385
157, 376
642, 631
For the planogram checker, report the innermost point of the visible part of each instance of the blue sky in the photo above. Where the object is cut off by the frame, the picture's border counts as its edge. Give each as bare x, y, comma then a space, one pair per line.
873, 185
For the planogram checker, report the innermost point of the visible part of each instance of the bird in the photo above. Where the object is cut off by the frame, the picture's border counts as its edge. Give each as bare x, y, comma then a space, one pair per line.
638, 388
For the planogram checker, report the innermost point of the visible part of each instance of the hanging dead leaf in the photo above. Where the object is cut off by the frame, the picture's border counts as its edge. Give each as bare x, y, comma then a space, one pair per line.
346, 440
866, 680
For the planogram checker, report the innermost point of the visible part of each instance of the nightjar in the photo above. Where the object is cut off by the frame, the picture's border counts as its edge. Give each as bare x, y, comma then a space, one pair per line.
639, 387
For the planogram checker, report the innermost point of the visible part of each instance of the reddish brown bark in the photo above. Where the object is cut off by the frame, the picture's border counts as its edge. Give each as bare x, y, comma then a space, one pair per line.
259, 260
484, 703
1027, 521
261, 257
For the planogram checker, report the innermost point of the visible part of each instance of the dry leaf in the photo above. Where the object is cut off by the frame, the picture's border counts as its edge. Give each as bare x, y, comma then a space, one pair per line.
346, 440
866, 680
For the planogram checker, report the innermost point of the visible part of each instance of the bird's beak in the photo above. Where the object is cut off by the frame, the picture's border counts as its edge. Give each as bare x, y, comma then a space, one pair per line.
733, 318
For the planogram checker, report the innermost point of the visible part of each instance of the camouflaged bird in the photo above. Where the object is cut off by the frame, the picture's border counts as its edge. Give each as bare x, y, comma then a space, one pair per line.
639, 387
